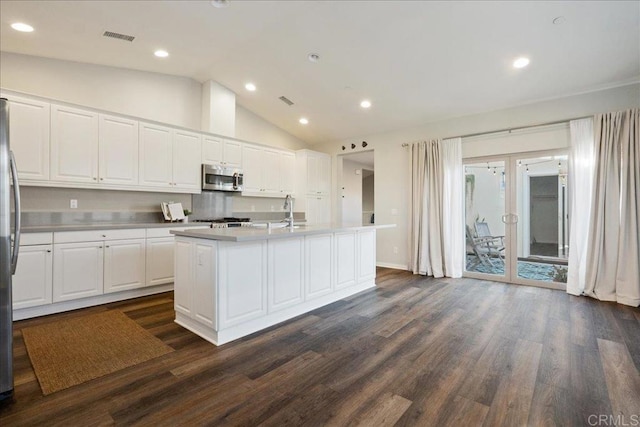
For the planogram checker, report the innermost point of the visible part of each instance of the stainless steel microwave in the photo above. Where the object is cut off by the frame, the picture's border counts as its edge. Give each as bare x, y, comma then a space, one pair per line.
221, 178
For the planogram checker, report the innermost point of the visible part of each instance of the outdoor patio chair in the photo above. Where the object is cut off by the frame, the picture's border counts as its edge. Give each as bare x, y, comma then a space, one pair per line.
482, 248
495, 243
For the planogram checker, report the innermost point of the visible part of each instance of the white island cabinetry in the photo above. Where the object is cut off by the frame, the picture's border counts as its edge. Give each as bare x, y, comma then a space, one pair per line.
230, 283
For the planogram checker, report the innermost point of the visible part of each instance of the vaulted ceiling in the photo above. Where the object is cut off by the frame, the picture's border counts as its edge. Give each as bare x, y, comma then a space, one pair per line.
417, 61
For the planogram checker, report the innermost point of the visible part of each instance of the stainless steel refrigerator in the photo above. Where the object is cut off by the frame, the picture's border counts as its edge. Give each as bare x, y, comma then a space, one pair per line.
9, 247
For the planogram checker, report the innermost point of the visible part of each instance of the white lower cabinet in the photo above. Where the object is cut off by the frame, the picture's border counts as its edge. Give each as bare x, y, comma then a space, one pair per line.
366, 254
183, 277
124, 265
32, 283
159, 263
225, 290
286, 273
318, 275
242, 281
345, 253
77, 270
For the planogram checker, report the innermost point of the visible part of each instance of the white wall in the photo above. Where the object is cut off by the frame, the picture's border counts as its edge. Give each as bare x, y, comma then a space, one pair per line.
169, 99
251, 127
392, 177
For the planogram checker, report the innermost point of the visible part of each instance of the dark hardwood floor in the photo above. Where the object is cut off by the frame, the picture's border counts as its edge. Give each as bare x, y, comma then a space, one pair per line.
415, 351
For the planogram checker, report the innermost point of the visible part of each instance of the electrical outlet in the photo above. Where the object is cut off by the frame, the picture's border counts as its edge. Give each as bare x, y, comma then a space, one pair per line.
273, 208
73, 204
253, 208
395, 249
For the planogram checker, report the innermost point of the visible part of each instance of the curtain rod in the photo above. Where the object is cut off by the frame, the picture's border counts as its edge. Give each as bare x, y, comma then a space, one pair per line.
512, 129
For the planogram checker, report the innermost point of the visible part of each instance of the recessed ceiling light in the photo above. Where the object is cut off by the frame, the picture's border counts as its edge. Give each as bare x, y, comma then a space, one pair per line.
220, 3
19, 26
521, 62
559, 20
365, 103
250, 87
303, 121
313, 57
161, 53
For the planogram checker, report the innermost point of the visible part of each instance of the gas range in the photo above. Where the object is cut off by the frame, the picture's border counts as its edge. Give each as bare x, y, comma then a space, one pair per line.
227, 222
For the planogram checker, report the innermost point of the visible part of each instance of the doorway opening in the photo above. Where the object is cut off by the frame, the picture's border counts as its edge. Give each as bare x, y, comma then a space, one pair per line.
356, 185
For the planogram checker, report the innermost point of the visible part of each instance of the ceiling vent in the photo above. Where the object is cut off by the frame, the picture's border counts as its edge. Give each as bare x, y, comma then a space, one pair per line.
118, 36
286, 100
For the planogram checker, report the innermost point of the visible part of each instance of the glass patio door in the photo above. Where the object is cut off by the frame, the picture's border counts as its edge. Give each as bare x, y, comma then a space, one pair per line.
516, 218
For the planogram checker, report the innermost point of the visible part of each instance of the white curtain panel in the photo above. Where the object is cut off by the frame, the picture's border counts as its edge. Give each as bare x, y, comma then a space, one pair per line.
436, 208
613, 261
453, 207
581, 170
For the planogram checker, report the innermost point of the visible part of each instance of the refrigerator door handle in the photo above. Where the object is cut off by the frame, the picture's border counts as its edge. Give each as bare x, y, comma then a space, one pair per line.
17, 211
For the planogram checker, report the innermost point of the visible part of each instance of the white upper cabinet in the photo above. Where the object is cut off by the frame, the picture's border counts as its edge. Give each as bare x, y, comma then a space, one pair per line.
156, 155
169, 158
29, 139
314, 173
212, 149
216, 150
74, 145
118, 147
287, 168
268, 172
232, 153
186, 159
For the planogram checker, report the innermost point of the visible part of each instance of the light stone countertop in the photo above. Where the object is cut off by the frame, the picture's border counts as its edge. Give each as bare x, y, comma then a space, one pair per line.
109, 226
246, 234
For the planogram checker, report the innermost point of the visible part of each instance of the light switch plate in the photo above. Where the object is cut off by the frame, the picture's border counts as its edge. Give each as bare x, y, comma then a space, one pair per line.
73, 204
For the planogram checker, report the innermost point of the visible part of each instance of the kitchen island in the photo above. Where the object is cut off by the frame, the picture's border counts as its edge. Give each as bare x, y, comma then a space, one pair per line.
232, 282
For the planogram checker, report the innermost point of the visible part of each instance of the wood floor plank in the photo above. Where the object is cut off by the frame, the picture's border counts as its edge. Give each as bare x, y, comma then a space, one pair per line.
623, 379
412, 351
511, 404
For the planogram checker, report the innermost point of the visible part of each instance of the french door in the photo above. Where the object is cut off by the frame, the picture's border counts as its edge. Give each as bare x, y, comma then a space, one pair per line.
516, 218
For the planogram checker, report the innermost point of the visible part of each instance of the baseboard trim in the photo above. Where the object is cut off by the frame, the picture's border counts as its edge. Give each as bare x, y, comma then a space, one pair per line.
392, 265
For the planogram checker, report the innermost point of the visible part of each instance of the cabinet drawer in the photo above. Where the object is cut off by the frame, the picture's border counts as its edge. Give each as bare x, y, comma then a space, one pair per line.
97, 235
27, 239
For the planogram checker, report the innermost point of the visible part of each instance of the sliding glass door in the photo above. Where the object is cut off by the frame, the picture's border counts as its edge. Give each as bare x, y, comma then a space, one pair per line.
516, 218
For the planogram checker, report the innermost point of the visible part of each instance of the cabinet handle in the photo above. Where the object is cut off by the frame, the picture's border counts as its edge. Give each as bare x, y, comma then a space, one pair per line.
101, 179
104, 235
99, 247
49, 250
107, 246
95, 179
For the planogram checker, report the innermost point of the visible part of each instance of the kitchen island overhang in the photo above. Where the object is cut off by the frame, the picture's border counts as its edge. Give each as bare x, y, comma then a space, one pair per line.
230, 283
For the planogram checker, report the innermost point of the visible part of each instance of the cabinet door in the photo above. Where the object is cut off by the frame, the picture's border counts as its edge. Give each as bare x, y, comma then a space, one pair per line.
232, 153
318, 275
285, 282
345, 259
77, 270
183, 283
29, 127
271, 172
204, 292
312, 174
243, 282
252, 161
324, 175
74, 145
323, 210
287, 170
159, 261
211, 150
187, 150
124, 265
156, 156
32, 283
118, 150
367, 255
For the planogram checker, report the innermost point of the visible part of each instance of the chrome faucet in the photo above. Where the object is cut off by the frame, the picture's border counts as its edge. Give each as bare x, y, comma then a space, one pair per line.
288, 204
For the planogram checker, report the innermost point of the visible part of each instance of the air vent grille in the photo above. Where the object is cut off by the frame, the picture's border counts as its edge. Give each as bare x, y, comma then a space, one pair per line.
118, 36
286, 100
